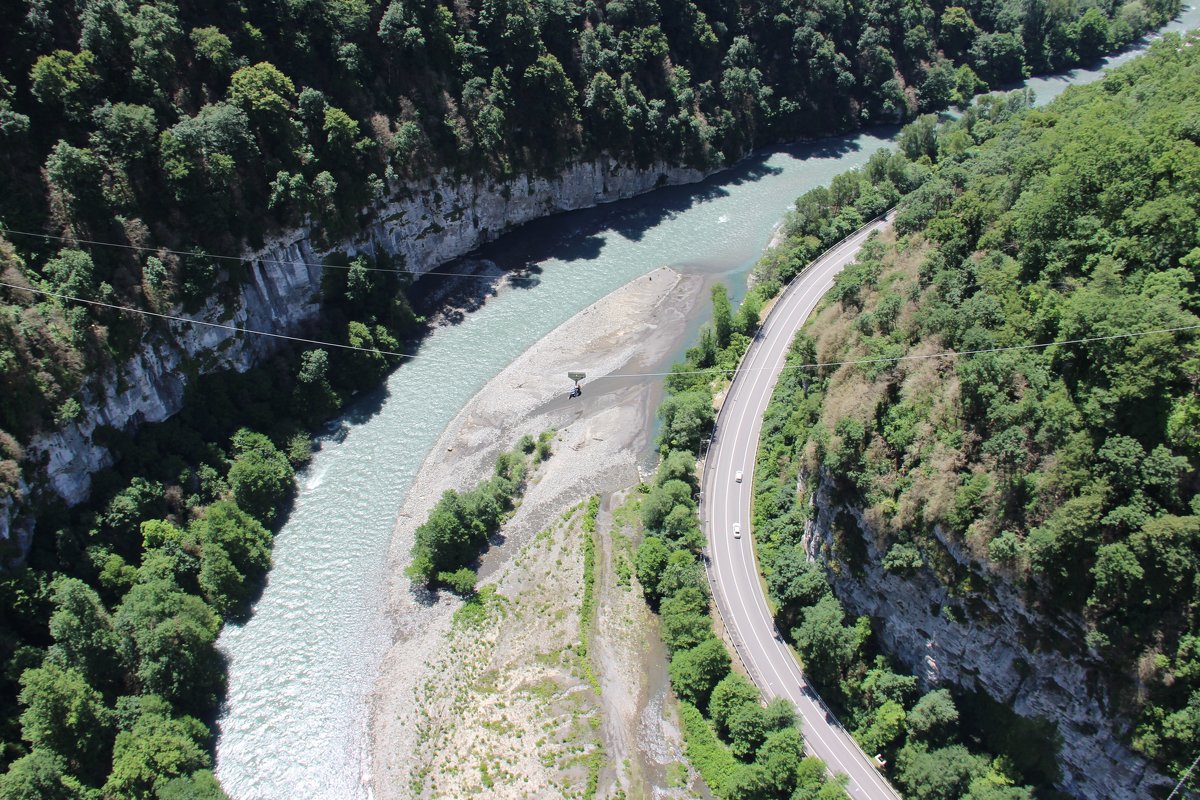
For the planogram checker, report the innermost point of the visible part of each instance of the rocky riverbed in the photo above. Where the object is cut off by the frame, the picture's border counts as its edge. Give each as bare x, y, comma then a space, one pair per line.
598, 441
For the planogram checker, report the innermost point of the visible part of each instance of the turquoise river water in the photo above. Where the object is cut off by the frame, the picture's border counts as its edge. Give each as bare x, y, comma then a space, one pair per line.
300, 670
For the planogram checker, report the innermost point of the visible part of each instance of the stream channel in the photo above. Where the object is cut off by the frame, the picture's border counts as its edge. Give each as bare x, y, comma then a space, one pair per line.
301, 669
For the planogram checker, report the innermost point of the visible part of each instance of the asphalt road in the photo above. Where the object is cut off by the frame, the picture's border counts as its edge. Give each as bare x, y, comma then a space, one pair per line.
732, 569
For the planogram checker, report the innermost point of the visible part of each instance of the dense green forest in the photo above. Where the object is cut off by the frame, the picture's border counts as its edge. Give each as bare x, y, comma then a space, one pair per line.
107, 631
1068, 470
202, 127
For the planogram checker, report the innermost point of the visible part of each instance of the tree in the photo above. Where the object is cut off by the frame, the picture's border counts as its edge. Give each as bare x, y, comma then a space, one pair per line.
555, 127
204, 151
1091, 35
682, 631
993, 787
782, 757
261, 477
683, 571
728, 697
84, 638
1115, 575
66, 717
937, 91
400, 27
140, 499
155, 749
221, 583
169, 636
461, 581
341, 132
41, 775
967, 84
650, 561
747, 320
886, 726
695, 672
919, 138
264, 92
943, 774
794, 580
687, 417
747, 730
677, 465
72, 272
663, 499
157, 34
314, 394
244, 539
200, 785
65, 79
998, 57
214, 47
779, 714
77, 176
958, 30
125, 132
682, 528
722, 314
826, 645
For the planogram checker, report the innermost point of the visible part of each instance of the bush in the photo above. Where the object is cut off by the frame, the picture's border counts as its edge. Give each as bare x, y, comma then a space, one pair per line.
460, 581
261, 477
695, 672
704, 751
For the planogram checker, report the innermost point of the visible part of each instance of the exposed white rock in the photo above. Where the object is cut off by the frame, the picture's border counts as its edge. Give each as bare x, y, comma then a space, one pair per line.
447, 216
1031, 660
424, 225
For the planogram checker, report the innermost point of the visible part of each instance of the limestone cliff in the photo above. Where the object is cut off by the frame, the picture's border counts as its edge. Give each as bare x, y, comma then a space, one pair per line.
986, 639
423, 225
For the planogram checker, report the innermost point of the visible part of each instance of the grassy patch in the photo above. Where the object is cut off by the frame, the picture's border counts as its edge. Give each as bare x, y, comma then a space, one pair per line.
710, 756
588, 607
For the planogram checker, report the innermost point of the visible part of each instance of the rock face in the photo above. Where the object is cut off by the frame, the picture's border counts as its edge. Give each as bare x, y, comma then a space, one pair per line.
423, 226
987, 640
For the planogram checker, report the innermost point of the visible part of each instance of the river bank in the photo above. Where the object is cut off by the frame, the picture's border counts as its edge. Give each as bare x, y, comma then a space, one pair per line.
598, 441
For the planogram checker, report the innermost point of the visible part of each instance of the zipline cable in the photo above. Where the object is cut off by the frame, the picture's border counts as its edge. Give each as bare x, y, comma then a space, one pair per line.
276, 261
1182, 780
709, 371
189, 320
894, 359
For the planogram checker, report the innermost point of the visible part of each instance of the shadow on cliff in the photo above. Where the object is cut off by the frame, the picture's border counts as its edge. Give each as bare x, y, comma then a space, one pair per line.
580, 236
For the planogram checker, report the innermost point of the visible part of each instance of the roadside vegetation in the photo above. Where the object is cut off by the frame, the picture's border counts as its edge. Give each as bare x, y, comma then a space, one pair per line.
461, 524
1069, 470
743, 750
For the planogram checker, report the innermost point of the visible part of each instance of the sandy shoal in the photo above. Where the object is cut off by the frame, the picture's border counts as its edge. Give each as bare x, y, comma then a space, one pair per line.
633, 329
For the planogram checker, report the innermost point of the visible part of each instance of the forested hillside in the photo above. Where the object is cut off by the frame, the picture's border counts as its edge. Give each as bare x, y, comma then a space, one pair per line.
204, 126
1068, 470
201, 126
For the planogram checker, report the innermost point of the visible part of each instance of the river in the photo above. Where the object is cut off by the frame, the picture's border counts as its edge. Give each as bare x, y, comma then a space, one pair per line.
300, 670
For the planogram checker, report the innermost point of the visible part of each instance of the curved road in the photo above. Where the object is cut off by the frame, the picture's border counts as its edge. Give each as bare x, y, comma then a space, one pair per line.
733, 570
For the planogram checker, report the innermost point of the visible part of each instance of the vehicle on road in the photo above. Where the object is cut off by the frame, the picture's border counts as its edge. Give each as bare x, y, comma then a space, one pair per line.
738, 477
737, 530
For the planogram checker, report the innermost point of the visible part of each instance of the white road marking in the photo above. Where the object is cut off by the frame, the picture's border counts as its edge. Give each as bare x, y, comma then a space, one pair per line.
749, 617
